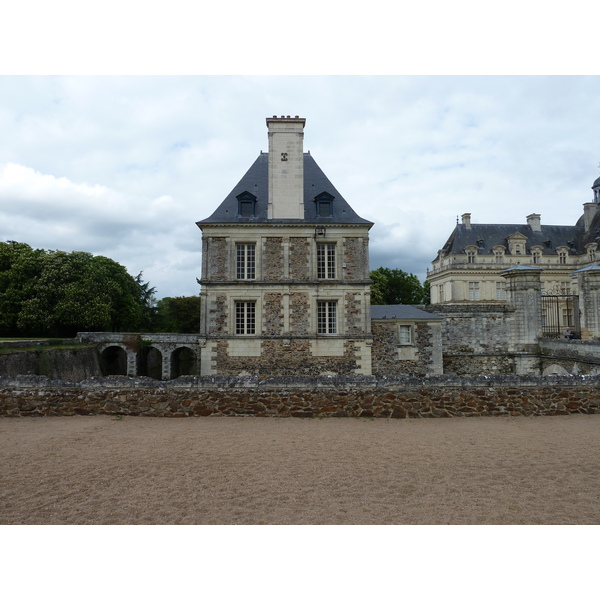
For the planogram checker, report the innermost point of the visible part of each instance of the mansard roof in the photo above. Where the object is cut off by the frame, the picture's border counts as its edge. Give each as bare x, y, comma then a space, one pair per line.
486, 237
256, 182
401, 311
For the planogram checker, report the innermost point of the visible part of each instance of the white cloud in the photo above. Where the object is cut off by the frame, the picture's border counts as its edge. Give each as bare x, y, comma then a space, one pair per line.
125, 166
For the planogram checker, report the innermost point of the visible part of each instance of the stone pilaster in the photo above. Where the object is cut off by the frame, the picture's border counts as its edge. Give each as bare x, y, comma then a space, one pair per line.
588, 283
524, 296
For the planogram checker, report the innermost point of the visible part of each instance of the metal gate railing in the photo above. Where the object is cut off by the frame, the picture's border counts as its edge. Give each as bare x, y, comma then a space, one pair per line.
559, 312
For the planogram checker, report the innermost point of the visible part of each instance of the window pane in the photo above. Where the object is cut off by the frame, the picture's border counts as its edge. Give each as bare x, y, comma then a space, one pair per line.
245, 318
326, 261
324, 209
405, 334
327, 317
245, 261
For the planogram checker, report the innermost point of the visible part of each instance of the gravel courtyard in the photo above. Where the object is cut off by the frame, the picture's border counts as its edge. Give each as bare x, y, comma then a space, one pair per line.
139, 470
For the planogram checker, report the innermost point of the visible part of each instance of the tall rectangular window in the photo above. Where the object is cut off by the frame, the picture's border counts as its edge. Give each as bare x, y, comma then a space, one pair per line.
327, 317
500, 290
326, 261
245, 261
245, 318
473, 290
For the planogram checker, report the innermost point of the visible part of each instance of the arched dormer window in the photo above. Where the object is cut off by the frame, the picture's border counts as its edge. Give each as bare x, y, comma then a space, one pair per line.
246, 204
536, 254
471, 252
499, 252
562, 252
591, 251
324, 204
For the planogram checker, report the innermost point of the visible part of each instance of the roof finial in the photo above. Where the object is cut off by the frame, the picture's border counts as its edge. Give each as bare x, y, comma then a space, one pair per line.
457, 219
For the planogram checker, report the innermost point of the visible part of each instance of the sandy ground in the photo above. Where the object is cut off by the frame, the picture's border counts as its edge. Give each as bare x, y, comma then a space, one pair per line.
102, 470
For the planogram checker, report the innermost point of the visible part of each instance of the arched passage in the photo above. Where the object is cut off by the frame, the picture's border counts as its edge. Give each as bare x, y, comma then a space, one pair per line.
182, 362
113, 361
150, 362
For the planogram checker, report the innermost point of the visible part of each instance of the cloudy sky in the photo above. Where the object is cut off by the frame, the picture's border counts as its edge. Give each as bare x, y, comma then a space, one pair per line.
124, 166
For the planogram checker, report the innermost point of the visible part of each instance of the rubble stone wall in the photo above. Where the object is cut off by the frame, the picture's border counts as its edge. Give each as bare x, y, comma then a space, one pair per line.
301, 397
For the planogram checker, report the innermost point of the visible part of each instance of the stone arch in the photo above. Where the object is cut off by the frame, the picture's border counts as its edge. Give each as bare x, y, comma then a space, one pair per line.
555, 369
183, 362
113, 360
150, 362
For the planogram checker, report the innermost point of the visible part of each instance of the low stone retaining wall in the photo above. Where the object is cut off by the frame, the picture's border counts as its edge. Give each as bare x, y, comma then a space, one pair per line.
299, 397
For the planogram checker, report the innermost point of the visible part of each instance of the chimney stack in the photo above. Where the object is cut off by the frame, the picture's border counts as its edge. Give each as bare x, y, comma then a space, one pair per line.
589, 212
466, 220
533, 220
286, 167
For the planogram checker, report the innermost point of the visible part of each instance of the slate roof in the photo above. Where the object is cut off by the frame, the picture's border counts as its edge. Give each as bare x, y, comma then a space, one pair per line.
256, 182
400, 311
485, 237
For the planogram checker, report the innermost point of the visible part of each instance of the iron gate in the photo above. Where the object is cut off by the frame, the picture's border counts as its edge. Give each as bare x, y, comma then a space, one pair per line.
559, 312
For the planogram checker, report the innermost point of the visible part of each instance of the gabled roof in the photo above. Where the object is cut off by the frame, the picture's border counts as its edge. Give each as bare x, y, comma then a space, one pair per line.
485, 237
256, 182
401, 311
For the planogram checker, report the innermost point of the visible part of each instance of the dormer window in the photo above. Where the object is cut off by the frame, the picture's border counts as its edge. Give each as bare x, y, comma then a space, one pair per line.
471, 252
246, 204
499, 252
536, 255
324, 205
591, 251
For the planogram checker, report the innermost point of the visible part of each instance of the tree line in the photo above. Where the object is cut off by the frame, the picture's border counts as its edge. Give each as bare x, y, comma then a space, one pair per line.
52, 293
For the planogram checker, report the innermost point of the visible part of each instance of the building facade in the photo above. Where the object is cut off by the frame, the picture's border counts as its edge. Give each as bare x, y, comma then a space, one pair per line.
285, 281
468, 267
285, 270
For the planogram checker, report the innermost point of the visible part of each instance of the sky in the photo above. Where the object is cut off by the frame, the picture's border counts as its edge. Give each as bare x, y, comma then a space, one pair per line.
124, 166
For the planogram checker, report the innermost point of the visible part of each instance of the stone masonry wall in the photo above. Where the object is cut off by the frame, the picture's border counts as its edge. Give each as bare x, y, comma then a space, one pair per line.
328, 397
355, 258
353, 314
273, 314
480, 329
218, 315
299, 313
216, 251
299, 259
285, 358
273, 259
385, 351
470, 365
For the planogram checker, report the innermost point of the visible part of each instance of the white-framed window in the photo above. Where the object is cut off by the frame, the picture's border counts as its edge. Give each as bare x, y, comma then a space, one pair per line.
473, 290
565, 289
441, 292
245, 261
498, 256
325, 261
405, 335
562, 257
501, 290
537, 257
326, 316
245, 318
471, 256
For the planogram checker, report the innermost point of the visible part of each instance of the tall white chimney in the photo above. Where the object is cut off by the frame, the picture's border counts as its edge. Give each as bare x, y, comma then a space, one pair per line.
286, 167
466, 220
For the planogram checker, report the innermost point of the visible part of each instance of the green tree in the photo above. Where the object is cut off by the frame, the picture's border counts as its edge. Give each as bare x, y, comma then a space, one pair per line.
178, 315
394, 286
57, 293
